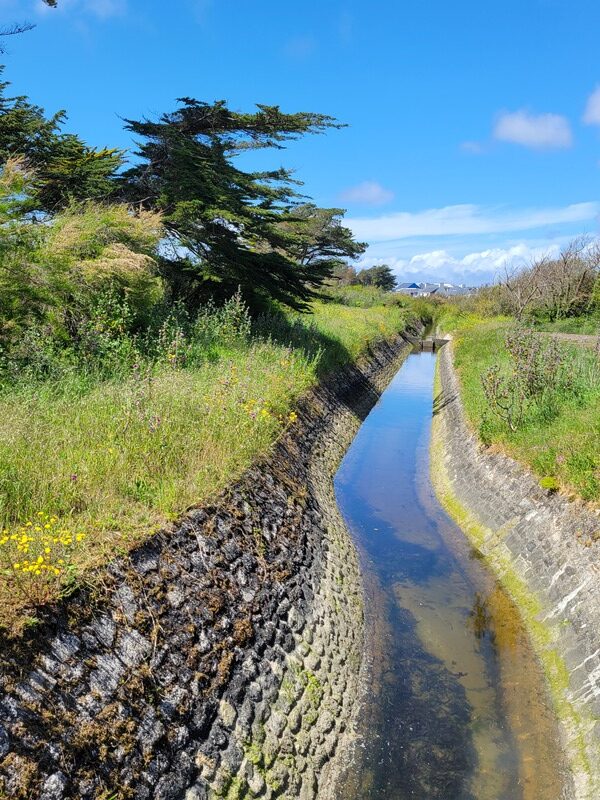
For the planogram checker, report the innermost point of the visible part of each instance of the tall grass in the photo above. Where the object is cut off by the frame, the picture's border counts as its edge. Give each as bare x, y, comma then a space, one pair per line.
588, 325
122, 436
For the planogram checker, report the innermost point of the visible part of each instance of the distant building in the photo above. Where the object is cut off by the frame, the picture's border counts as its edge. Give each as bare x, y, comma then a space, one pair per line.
425, 289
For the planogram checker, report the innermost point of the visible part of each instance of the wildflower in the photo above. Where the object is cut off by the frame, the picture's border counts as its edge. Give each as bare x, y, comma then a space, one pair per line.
292, 416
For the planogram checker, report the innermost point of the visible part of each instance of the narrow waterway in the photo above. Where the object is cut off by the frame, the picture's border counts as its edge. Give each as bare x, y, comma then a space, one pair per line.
456, 707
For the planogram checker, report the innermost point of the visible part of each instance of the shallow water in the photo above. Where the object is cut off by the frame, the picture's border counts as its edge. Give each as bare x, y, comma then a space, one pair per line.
456, 707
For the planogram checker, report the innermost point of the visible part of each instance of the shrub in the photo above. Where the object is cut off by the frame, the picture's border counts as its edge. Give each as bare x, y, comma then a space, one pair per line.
537, 373
550, 484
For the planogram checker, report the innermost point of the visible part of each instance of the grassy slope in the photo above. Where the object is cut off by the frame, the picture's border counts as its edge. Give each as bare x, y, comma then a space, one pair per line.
566, 446
95, 467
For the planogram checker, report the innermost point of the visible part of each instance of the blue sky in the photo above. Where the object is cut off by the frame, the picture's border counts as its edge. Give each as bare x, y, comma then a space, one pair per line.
474, 127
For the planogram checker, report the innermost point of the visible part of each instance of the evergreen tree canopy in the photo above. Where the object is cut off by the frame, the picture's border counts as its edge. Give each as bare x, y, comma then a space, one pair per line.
317, 236
380, 276
63, 167
227, 221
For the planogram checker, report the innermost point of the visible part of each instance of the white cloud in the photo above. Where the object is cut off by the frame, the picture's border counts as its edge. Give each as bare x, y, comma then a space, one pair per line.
466, 220
370, 193
474, 268
592, 109
539, 131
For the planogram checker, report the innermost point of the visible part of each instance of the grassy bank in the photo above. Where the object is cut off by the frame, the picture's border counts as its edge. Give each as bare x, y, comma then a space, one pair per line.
559, 439
94, 459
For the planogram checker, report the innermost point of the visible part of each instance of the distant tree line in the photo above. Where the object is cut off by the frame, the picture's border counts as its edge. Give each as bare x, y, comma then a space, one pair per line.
379, 276
555, 287
548, 288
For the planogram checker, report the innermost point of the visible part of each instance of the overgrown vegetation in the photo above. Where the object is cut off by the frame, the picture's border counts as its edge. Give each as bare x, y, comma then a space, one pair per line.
538, 401
551, 293
160, 316
536, 378
116, 442
535, 396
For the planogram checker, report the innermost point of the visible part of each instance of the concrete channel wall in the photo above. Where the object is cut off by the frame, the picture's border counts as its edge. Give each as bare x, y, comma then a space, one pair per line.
220, 659
545, 549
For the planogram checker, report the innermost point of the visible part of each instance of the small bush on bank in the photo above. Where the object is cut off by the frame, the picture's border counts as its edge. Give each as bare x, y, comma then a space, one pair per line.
535, 380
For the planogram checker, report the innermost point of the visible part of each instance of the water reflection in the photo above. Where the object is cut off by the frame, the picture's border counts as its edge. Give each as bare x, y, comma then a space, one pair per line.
444, 713
479, 619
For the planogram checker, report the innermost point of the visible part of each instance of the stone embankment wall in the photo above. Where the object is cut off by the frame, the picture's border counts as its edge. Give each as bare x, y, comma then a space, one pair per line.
221, 659
545, 549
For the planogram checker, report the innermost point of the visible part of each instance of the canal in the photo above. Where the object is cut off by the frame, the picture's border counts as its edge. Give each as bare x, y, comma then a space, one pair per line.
455, 706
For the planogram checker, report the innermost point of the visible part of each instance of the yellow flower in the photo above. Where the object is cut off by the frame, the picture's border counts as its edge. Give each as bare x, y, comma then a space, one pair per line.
292, 416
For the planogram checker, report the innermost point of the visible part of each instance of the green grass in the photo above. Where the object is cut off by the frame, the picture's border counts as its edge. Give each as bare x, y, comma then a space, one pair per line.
116, 458
587, 325
563, 445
